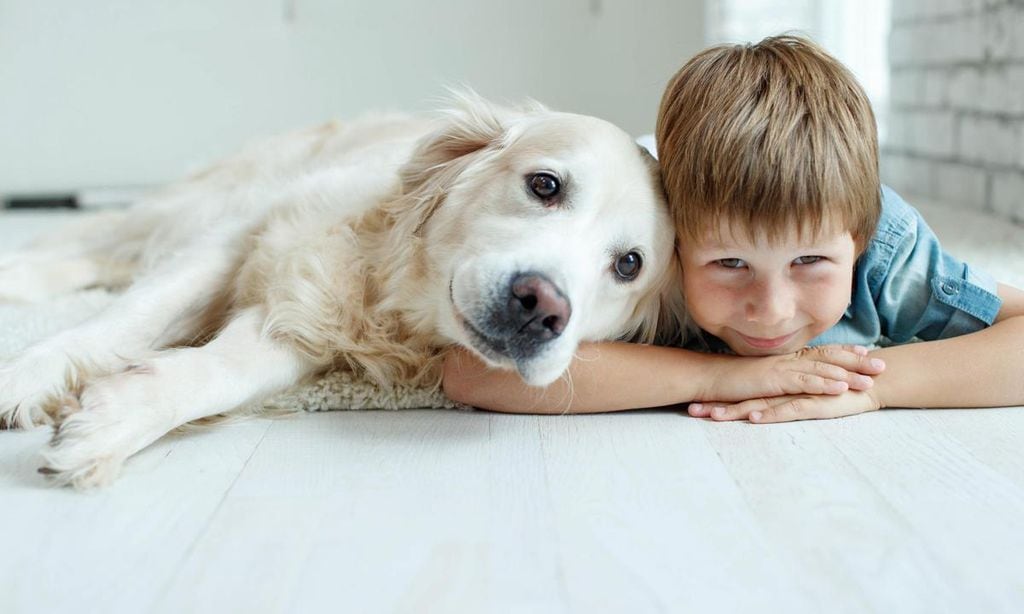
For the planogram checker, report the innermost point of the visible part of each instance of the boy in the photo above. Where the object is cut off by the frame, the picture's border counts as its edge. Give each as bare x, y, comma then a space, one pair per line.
786, 239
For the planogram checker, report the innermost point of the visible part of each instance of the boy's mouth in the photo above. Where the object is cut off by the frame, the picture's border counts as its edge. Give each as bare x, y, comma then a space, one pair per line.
763, 343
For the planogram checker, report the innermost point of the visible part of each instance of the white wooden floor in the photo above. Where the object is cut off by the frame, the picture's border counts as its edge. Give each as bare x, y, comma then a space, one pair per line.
445, 511
438, 511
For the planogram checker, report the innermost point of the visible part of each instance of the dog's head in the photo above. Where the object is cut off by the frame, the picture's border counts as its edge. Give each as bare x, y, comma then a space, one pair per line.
540, 230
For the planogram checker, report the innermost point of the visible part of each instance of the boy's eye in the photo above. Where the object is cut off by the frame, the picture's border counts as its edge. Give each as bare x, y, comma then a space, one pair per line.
731, 263
808, 259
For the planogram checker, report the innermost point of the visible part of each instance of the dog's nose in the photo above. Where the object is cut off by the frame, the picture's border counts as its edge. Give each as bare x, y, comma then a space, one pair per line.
537, 307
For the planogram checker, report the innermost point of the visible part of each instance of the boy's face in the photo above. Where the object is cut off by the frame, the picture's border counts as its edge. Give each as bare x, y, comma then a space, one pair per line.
766, 298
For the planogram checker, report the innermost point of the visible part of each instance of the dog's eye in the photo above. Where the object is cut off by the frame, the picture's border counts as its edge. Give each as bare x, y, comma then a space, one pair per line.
544, 185
627, 267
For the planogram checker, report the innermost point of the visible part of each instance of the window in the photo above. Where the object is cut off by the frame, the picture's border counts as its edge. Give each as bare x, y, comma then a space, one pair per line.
855, 31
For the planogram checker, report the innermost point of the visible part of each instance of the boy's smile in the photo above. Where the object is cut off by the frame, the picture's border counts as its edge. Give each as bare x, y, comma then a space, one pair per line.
766, 297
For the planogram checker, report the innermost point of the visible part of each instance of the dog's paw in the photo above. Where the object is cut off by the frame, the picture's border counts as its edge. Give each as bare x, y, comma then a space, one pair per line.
108, 422
31, 389
87, 449
81, 453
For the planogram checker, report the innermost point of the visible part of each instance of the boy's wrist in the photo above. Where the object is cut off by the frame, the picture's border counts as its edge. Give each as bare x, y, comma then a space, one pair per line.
705, 381
877, 395
881, 391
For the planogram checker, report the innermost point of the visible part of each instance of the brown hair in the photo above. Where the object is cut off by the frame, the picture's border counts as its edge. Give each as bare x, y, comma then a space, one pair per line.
769, 137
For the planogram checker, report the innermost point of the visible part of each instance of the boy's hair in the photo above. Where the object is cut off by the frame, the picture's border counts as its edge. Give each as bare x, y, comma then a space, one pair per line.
769, 137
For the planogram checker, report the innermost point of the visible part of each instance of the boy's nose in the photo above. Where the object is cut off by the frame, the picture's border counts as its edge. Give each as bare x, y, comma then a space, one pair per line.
771, 303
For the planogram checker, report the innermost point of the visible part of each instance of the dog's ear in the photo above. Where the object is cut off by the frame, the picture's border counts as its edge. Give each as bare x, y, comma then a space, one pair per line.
661, 316
470, 125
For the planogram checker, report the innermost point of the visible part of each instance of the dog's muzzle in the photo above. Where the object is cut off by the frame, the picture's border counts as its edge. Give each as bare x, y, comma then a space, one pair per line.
522, 320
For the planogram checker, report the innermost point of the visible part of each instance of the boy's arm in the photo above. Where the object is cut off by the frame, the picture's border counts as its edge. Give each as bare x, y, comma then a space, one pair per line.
981, 369
1013, 302
618, 376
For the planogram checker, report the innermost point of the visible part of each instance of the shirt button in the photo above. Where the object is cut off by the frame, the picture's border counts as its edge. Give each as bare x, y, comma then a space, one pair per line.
950, 288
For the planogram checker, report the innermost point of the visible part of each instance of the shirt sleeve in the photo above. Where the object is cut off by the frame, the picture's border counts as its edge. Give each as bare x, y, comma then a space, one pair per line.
923, 291
647, 142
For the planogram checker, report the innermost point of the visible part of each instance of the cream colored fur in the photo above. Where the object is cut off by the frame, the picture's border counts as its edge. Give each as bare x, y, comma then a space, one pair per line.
367, 247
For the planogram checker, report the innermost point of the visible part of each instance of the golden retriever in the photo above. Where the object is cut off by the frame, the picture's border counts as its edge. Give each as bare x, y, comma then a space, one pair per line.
515, 232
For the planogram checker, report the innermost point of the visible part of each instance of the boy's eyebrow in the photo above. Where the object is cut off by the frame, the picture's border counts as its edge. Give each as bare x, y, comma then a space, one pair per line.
810, 244
710, 245
829, 241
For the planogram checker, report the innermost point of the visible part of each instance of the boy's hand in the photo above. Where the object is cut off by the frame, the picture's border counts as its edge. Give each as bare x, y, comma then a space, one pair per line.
827, 370
790, 407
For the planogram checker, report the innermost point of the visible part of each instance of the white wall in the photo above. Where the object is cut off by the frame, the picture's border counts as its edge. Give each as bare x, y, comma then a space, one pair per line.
110, 93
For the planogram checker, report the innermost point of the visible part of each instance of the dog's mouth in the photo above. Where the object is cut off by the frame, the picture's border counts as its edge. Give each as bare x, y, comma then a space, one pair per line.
495, 350
510, 343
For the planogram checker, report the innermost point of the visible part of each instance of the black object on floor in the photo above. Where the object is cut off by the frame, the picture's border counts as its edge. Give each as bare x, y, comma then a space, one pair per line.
41, 201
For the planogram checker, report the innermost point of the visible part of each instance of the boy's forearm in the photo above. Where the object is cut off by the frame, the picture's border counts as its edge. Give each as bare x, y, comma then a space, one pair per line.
603, 377
983, 369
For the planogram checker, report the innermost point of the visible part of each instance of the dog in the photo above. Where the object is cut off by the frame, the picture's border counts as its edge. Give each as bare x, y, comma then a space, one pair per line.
517, 232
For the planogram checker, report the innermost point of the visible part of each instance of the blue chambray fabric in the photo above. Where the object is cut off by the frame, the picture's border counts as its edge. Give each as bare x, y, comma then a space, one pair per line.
905, 286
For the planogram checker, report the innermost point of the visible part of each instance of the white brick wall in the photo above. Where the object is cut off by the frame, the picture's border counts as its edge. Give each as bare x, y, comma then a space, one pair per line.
956, 127
989, 142
1007, 188
963, 185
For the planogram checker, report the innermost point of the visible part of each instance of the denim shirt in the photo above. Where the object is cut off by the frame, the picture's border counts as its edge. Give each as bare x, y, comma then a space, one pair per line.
905, 287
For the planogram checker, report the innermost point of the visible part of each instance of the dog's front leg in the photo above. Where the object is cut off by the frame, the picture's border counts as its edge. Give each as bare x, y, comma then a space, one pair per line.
123, 413
166, 306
